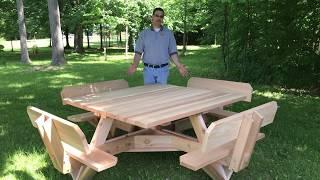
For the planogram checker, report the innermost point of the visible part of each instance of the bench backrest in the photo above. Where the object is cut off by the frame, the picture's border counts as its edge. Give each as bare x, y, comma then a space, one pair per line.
242, 130
80, 90
222, 86
57, 133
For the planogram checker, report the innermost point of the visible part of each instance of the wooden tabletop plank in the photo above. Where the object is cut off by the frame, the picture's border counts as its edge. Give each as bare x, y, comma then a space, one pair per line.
112, 95
163, 104
151, 105
156, 118
133, 101
134, 96
154, 102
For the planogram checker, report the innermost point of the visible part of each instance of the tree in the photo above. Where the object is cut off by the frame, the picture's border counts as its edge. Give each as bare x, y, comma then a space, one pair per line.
23, 33
8, 21
56, 35
184, 17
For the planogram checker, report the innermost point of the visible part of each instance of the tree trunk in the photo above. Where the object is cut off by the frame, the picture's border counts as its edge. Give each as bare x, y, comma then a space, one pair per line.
225, 44
67, 39
88, 40
50, 43
130, 42
126, 40
11, 46
56, 34
117, 38
184, 49
23, 33
318, 51
120, 37
101, 35
78, 39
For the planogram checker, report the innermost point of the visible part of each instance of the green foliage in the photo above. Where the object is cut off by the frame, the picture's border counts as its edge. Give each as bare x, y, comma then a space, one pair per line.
271, 41
8, 20
37, 19
267, 42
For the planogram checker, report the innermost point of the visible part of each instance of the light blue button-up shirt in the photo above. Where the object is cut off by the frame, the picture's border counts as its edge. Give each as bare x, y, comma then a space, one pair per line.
156, 47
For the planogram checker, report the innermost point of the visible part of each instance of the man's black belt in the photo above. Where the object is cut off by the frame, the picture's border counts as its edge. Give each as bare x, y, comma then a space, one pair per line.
155, 66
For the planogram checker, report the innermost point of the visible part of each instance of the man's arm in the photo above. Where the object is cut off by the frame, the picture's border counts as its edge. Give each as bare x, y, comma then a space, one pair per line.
182, 70
134, 65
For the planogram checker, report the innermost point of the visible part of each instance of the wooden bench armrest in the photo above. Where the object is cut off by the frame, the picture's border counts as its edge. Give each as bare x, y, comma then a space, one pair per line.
97, 159
198, 159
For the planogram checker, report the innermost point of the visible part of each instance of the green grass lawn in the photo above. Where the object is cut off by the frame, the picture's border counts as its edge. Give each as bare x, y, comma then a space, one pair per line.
291, 149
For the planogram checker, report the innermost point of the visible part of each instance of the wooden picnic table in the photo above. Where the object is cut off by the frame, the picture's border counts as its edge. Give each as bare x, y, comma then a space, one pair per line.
220, 149
152, 105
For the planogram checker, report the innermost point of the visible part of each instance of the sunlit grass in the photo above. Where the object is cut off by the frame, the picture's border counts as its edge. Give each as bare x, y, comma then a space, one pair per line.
26, 97
21, 165
18, 85
65, 75
2, 131
269, 94
5, 102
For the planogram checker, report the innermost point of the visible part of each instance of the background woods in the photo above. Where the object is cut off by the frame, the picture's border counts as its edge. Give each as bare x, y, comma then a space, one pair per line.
271, 42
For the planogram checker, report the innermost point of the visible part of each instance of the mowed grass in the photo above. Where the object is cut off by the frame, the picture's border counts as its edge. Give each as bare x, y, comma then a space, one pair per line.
291, 149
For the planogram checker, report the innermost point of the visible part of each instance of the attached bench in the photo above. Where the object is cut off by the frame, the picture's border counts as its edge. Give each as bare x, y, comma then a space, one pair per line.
87, 89
230, 141
217, 86
67, 145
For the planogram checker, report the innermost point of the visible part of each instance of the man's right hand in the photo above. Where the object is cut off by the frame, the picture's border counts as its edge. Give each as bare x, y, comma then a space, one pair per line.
132, 69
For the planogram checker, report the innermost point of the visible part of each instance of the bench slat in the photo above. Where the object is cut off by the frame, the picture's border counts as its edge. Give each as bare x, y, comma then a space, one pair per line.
97, 159
198, 159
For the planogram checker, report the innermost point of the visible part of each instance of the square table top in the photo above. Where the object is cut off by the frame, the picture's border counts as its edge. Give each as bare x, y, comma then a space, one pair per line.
152, 105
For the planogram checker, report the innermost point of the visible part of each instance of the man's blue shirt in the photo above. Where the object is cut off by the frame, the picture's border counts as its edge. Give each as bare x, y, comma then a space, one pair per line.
156, 47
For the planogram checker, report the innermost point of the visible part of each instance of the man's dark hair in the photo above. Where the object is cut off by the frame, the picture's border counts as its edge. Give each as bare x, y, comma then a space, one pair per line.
157, 9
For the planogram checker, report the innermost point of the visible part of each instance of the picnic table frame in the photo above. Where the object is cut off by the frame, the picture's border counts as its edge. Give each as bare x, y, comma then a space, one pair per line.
219, 149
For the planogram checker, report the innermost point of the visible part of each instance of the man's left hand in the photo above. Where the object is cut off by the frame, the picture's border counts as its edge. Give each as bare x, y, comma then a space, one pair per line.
182, 70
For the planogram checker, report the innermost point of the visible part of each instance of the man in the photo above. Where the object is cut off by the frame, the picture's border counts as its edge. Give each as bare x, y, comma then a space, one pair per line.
156, 45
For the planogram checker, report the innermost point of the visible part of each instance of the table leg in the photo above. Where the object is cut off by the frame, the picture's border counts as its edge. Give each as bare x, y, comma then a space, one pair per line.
199, 126
102, 132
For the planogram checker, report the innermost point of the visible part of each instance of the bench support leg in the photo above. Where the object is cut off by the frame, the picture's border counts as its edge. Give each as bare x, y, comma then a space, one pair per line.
218, 171
85, 173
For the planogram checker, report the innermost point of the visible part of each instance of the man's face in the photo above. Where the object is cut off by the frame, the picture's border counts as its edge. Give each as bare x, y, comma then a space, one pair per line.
157, 18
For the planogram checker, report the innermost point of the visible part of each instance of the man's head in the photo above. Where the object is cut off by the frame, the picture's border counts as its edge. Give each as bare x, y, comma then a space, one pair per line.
157, 17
